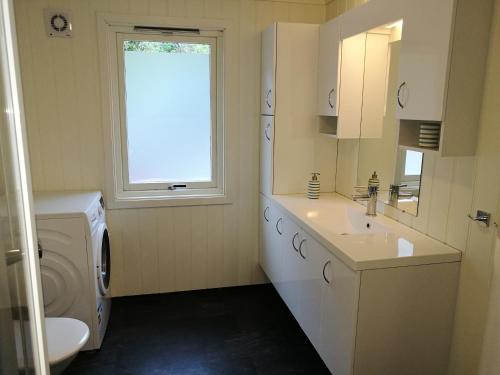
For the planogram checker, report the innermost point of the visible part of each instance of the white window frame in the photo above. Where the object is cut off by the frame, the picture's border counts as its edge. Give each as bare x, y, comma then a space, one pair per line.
409, 177
215, 84
112, 29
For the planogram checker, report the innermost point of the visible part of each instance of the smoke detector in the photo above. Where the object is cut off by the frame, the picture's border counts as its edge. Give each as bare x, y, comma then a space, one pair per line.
58, 23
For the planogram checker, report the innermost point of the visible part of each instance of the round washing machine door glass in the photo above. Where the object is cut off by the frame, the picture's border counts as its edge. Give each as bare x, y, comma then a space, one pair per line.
103, 260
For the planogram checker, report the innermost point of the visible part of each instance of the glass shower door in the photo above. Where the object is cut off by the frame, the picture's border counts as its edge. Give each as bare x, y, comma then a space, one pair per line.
22, 340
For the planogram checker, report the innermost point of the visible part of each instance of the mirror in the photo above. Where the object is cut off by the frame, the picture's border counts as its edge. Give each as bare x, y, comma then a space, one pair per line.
399, 168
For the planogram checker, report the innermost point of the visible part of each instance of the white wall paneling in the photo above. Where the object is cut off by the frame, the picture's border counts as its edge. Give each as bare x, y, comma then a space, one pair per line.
477, 340
158, 249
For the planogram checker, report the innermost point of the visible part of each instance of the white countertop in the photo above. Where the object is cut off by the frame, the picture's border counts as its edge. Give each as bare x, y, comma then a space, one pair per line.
326, 219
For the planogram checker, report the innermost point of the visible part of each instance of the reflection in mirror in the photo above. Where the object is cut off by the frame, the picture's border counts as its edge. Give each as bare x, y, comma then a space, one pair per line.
405, 191
380, 154
399, 169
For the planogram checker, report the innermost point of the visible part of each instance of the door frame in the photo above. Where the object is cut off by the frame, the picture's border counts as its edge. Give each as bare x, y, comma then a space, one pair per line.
18, 141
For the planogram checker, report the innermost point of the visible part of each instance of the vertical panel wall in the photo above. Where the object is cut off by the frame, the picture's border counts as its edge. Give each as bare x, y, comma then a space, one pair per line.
153, 249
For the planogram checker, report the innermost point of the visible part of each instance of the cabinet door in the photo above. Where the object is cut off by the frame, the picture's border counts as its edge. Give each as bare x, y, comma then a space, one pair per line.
265, 234
374, 85
339, 300
268, 68
292, 266
328, 67
266, 154
277, 248
424, 55
351, 86
309, 287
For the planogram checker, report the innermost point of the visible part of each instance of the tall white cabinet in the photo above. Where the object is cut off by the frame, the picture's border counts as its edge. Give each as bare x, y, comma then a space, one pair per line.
291, 148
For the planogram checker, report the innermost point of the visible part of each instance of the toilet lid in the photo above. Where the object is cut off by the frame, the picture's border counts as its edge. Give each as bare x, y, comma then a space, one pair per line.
65, 337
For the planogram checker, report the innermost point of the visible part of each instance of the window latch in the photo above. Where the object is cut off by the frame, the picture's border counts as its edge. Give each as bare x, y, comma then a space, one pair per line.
175, 186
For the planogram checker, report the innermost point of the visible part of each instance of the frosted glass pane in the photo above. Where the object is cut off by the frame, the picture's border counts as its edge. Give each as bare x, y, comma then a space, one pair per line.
413, 165
168, 111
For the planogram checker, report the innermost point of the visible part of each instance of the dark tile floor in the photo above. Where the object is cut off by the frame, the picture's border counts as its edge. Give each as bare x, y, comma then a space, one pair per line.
241, 330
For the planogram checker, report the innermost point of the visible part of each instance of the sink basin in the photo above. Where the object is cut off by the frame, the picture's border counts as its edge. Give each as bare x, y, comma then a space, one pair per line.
359, 223
345, 220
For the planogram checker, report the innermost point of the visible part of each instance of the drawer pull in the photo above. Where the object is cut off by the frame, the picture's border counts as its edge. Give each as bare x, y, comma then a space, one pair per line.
267, 98
266, 210
277, 226
401, 101
324, 269
300, 248
332, 91
293, 241
268, 126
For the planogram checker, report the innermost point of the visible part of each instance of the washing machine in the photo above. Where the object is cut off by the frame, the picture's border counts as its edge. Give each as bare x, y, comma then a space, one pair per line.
75, 258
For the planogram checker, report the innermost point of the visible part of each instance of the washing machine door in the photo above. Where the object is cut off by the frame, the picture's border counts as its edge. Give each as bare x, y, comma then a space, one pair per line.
103, 260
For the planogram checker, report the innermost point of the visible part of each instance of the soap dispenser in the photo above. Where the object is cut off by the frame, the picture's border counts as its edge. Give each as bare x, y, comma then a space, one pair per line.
374, 181
313, 186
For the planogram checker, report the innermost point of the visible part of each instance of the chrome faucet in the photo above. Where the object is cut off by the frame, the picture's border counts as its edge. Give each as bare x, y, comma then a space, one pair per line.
395, 193
368, 194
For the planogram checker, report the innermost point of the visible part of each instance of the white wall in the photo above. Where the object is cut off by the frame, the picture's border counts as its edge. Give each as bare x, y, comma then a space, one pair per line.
155, 249
477, 323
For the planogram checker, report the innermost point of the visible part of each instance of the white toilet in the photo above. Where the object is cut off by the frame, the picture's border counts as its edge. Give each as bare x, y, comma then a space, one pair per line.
65, 338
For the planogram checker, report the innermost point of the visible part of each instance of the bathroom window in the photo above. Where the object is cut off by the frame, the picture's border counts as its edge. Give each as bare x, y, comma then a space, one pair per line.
169, 112
412, 164
166, 104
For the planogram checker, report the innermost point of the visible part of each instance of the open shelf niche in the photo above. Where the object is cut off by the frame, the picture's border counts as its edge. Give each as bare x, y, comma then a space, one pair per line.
409, 134
328, 126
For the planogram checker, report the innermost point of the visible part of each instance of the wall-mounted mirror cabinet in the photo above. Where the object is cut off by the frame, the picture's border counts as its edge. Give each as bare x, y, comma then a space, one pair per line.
405, 91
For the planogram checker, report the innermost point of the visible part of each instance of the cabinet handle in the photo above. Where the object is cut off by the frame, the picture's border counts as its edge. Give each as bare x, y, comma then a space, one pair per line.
268, 126
267, 99
293, 241
266, 210
40, 250
300, 248
399, 95
330, 98
277, 225
324, 269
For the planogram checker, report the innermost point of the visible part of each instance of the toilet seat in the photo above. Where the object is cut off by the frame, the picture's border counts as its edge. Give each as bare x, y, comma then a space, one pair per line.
65, 337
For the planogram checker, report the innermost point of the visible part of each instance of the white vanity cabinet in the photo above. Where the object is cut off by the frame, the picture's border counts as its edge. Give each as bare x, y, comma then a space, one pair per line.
291, 263
328, 68
265, 234
375, 319
320, 291
339, 307
310, 287
302, 259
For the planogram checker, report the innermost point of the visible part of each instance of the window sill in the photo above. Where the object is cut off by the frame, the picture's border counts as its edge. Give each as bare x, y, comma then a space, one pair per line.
152, 201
